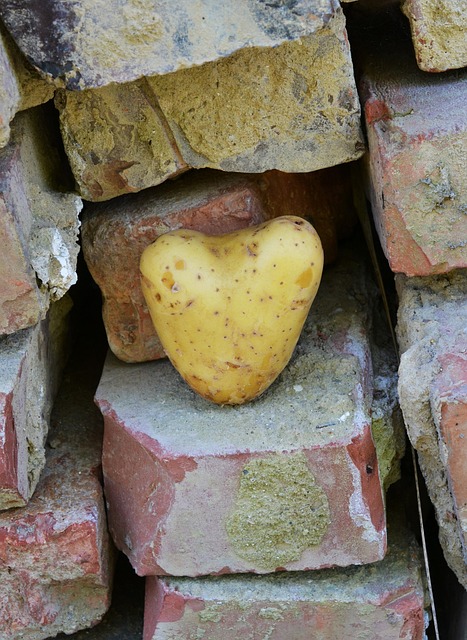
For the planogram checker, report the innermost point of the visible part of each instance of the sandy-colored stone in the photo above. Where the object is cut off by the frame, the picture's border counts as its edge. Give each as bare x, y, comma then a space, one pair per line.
114, 234
39, 223
21, 87
91, 43
433, 397
293, 108
55, 557
417, 159
438, 33
194, 488
382, 602
31, 363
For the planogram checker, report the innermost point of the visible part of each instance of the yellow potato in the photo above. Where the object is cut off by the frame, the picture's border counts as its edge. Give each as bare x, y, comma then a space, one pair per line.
229, 309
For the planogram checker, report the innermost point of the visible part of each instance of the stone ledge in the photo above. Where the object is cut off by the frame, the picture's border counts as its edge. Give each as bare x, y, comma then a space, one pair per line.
384, 600
181, 473
293, 108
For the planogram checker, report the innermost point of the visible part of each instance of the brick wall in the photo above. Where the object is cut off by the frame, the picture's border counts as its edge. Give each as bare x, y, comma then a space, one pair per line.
288, 516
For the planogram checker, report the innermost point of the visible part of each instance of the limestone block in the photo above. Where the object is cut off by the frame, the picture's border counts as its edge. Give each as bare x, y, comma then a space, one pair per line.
89, 43
21, 87
287, 481
114, 234
433, 397
293, 108
55, 557
31, 362
438, 33
38, 226
417, 160
380, 602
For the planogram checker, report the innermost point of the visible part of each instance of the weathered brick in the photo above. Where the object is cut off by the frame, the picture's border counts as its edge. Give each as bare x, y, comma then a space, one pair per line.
38, 223
20, 86
31, 362
438, 33
86, 44
289, 480
380, 602
55, 556
293, 108
417, 159
114, 234
433, 397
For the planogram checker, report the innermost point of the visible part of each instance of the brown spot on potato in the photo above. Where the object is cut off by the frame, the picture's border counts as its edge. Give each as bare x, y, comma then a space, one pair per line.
305, 278
180, 265
252, 249
168, 280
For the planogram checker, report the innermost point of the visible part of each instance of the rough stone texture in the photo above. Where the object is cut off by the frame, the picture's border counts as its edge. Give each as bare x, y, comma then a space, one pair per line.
417, 138
114, 234
85, 43
194, 488
20, 85
438, 33
38, 223
382, 602
293, 108
433, 397
55, 557
387, 423
31, 362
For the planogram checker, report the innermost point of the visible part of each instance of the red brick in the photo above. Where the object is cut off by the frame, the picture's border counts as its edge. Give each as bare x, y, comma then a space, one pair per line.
114, 234
417, 159
381, 602
20, 301
31, 362
449, 403
194, 488
38, 224
431, 332
55, 558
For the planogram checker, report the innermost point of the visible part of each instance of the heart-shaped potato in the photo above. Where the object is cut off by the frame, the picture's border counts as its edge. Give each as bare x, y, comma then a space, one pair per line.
229, 309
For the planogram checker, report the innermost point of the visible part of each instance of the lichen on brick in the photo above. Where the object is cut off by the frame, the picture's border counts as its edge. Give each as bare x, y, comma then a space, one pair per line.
280, 511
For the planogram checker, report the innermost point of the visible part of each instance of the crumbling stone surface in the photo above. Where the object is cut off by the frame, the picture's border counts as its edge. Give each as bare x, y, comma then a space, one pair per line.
194, 488
382, 601
31, 362
293, 108
55, 557
87, 44
387, 423
114, 234
38, 226
417, 159
21, 87
433, 397
438, 33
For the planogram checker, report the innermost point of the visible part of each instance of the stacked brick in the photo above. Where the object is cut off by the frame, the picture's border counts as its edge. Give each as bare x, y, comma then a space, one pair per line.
55, 552
268, 519
416, 176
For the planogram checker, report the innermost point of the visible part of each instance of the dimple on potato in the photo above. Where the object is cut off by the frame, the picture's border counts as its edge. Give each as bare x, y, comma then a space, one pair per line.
229, 309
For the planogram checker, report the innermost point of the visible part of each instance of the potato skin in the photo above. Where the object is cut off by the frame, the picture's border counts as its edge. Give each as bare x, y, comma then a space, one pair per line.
229, 309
